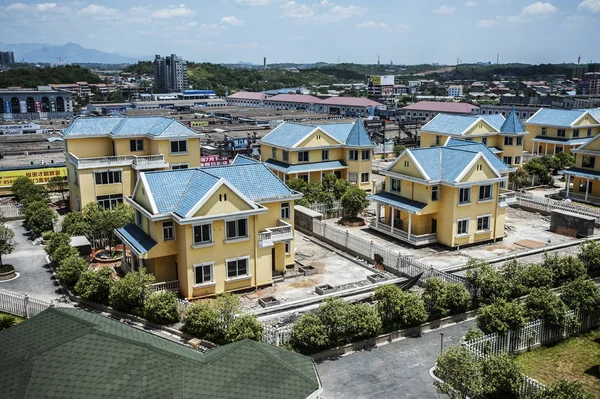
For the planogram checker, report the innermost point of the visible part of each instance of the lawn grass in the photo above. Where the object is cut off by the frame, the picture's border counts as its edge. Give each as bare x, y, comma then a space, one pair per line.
576, 358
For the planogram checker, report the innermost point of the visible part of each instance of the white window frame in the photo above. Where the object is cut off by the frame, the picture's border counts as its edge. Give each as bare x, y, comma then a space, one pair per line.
353, 178
237, 237
352, 155
285, 156
519, 140
544, 131
517, 160
137, 148
460, 201
561, 132
325, 155
274, 153
575, 132
362, 175
180, 166
113, 200
489, 218
285, 211
398, 185
438, 139
307, 153
508, 140
211, 281
238, 276
110, 175
366, 153
166, 228
179, 152
589, 132
484, 141
507, 160
288, 247
482, 190
201, 244
138, 218
458, 223
435, 189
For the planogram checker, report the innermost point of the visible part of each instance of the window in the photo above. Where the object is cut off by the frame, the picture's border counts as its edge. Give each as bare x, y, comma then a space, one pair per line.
136, 145
274, 153
202, 234
543, 131
575, 132
582, 186
503, 184
589, 132
507, 160
366, 155
364, 177
288, 247
108, 177
483, 223
464, 195
168, 231
353, 155
285, 210
508, 140
178, 147
588, 162
109, 201
435, 193
462, 227
484, 140
180, 166
75, 177
237, 267
237, 229
285, 156
558, 149
485, 192
519, 140
303, 156
561, 133
438, 139
396, 185
517, 160
138, 218
325, 155
353, 177
203, 273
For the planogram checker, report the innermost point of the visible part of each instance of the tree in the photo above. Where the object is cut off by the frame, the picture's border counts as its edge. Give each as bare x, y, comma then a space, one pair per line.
519, 179
487, 283
362, 322
581, 295
21, 187
41, 220
398, 149
564, 268
542, 303
75, 224
111, 219
70, 269
538, 167
460, 372
7, 244
32, 206
63, 252
333, 313
58, 183
473, 334
354, 201
94, 285
525, 277
55, 241
458, 299
500, 317
201, 319
309, 335
161, 308
340, 188
564, 389
589, 254
328, 182
434, 298
129, 293
245, 326
398, 309
228, 306
564, 160
502, 377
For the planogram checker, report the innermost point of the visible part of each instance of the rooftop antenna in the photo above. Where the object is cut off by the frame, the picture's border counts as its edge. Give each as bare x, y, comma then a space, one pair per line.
378, 61
497, 58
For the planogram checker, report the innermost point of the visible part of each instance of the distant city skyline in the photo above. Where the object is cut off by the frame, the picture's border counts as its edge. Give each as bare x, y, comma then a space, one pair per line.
405, 32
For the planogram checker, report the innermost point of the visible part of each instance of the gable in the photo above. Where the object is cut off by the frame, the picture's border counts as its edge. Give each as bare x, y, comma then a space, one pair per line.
481, 127
479, 171
404, 165
592, 145
141, 197
223, 201
318, 139
586, 120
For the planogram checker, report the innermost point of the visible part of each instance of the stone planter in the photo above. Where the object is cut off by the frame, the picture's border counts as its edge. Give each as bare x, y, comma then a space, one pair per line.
376, 278
268, 301
8, 275
325, 289
307, 270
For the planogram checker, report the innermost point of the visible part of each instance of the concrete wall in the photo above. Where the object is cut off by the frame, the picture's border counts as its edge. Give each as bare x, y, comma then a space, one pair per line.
303, 218
584, 225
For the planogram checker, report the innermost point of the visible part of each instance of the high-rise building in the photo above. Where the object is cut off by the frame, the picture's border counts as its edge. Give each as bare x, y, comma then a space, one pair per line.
7, 57
170, 74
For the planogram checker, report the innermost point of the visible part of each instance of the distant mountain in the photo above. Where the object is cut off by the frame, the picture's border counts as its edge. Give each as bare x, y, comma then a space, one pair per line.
70, 53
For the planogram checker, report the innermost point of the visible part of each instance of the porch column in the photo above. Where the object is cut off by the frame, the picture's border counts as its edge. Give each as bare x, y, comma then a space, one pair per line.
321, 176
546, 150
587, 188
392, 217
377, 210
554, 152
409, 225
568, 184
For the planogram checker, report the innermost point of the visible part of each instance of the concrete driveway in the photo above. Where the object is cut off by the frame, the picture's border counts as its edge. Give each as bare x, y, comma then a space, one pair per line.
29, 260
397, 370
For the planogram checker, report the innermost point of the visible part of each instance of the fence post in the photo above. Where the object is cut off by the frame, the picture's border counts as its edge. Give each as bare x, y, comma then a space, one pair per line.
372, 254
276, 337
547, 204
397, 262
26, 305
346, 239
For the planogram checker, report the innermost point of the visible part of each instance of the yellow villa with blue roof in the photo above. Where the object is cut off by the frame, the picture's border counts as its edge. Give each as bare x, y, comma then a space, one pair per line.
504, 137
205, 231
106, 155
452, 195
551, 131
585, 174
299, 151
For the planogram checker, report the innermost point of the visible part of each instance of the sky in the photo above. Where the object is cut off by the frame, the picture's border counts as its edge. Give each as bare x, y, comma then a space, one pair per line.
401, 31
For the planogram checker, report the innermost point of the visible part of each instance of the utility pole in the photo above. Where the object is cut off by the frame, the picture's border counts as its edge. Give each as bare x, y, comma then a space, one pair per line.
441, 343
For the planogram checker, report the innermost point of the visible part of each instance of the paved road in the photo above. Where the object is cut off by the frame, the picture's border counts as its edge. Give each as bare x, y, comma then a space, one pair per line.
397, 370
29, 260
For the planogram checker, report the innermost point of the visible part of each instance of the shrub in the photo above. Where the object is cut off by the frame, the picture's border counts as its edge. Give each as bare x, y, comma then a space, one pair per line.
398, 149
161, 308
458, 299
245, 326
70, 269
564, 389
94, 285
582, 295
55, 240
32, 206
398, 309
201, 320
7, 321
354, 201
362, 322
41, 220
129, 293
434, 298
228, 306
309, 335
333, 313
25, 190
75, 224
503, 377
473, 334
533, 276
500, 317
544, 304
488, 284
63, 252
460, 372
564, 268
589, 254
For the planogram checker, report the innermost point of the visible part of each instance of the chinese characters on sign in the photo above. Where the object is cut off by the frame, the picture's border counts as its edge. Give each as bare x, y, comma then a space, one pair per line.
213, 160
38, 176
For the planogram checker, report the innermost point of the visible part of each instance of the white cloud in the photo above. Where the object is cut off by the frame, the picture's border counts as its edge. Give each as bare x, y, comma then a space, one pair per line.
45, 6
16, 7
444, 10
590, 5
487, 23
530, 13
242, 46
166, 13
97, 11
254, 3
319, 13
231, 20
471, 4
372, 25
539, 9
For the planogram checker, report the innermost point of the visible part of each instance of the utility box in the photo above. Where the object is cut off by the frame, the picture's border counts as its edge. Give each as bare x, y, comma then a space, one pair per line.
572, 224
82, 244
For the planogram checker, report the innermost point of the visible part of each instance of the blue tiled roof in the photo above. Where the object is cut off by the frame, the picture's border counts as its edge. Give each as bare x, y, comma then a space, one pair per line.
198, 185
307, 167
167, 187
495, 121
561, 140
243, 160
457, 124
397, 201
512, 124
585, 173
288, 134
490, 153
152, 126
556, 117
141, 242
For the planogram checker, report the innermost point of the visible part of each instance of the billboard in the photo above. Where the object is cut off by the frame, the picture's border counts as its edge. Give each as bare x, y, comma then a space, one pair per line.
386, 80
38, 176
213, 160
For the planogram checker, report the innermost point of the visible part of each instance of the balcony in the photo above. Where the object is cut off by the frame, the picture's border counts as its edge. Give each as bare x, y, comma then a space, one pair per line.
137, 163
272, 235
578, 197
416, 240
507, 198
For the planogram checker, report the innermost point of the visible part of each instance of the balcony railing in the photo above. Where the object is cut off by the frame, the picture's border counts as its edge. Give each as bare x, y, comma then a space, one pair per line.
507, 198
580, 197
138, 163
271, 235
415, 239
165, 286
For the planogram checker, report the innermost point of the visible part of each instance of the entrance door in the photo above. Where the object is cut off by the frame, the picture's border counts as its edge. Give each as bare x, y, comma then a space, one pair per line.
433, 226
273, 258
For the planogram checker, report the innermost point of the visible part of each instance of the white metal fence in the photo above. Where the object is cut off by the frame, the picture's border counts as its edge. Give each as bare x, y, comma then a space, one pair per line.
406, 265
21, 304
13, 210
545, 204
328, 210
277, 336
532, 334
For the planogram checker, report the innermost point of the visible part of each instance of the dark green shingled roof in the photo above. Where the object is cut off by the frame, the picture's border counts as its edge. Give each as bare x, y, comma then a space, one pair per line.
71, 353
